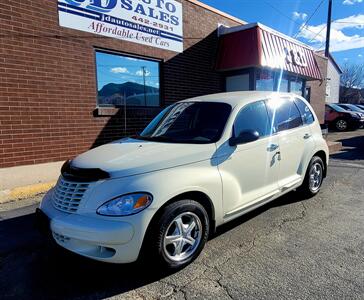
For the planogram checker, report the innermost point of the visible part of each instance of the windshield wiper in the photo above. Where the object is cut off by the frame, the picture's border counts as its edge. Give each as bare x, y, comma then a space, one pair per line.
153, 138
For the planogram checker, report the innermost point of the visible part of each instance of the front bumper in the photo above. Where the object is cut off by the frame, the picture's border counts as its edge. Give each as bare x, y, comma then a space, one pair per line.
356, 123
114, 241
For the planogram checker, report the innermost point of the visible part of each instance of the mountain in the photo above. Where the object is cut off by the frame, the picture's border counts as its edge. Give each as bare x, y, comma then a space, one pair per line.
127, 89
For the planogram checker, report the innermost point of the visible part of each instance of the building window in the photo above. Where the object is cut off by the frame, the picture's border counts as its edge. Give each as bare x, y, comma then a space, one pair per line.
297, 86
237, 83
281, 82
264, 80
125, 80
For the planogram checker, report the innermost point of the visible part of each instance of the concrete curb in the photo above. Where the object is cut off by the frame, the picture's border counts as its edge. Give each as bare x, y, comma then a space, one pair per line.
23, 192
334, 146
22, 182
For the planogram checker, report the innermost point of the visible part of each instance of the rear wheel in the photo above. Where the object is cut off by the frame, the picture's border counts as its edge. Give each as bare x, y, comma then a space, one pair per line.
341, 124
179, 235
313, 178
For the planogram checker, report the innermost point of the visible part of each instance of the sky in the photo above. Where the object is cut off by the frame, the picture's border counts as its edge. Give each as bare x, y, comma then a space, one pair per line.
113, 68
306, 21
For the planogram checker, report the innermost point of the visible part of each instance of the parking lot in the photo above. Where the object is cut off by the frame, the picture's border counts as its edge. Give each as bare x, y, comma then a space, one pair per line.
291, 248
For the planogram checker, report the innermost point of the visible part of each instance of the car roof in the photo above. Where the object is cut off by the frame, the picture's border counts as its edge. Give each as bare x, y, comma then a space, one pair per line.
239, 98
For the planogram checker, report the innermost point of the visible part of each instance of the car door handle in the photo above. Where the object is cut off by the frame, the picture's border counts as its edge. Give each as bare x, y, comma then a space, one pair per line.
272, 147
307, 136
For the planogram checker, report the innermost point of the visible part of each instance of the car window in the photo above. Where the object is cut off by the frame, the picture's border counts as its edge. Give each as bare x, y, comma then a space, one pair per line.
188, 122
336, 108
284, 113
307, 116
353, 107
253, 116
345, 107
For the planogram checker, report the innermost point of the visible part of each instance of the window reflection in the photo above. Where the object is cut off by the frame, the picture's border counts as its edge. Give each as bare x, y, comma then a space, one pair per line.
124, 80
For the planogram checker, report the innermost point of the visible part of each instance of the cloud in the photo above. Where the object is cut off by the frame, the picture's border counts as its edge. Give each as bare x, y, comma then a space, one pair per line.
299, 16
140, 73
131, 58
352, 2
117, 70
360, 56
346, 59
339, 41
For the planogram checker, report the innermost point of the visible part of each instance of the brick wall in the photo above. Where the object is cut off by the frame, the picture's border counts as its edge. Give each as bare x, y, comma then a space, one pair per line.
318, 89
48, 81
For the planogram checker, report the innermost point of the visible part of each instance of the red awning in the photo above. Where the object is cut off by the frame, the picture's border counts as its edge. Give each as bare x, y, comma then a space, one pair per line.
255, 45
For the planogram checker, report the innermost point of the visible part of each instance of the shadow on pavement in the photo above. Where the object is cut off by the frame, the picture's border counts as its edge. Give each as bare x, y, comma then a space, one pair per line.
353, 149
32, 267
289, 198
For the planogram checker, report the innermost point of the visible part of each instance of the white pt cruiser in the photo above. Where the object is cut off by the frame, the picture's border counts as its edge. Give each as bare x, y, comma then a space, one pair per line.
199, 164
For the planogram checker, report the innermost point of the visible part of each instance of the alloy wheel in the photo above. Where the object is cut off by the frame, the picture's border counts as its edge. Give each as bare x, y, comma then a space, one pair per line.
182, 236
316, 175
341, 124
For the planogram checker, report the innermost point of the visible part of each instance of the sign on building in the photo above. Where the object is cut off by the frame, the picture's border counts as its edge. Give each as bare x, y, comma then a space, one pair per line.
156, 23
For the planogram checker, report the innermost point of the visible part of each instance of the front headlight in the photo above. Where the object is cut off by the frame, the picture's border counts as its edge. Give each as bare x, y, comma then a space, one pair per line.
126, 205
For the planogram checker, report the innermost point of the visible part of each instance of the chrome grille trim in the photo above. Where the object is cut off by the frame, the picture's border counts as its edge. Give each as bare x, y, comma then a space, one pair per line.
68, 195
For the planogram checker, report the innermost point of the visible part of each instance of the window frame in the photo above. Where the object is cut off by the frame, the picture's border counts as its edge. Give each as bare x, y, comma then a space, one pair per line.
136, 56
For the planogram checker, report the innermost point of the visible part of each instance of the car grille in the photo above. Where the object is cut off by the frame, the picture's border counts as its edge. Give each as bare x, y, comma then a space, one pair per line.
68, 195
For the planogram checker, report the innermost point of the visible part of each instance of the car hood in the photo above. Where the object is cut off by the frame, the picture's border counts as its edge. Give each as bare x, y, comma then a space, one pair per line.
127, 157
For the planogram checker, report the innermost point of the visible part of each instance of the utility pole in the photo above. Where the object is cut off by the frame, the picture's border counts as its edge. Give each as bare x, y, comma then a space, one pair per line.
145, 95
328, 29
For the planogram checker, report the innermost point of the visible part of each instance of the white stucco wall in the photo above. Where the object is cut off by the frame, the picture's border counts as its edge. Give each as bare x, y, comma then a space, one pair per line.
333, 85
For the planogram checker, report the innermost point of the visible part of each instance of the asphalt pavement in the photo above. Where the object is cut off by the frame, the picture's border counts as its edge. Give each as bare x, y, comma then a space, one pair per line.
289, 249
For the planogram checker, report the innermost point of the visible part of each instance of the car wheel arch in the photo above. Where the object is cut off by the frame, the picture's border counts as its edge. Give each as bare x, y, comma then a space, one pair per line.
323, 156
197, 196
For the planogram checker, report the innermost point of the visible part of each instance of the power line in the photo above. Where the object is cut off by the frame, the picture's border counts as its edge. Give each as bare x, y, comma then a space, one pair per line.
317, 34
343, 22
308, 20
280, 12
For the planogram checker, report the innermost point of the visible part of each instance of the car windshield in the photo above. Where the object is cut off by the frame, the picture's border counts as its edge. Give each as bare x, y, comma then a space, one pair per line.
188, 122
337, 108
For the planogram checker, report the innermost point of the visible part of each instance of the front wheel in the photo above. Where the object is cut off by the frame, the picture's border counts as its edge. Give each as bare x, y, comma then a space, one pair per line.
179, 234
313, 178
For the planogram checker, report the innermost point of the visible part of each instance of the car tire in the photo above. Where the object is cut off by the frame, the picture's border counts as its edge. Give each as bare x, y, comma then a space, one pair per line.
341, 125
313, 178
174, 241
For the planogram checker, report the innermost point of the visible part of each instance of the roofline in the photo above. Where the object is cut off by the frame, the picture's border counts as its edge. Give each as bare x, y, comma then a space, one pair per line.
216, 11
333, 60
228, 30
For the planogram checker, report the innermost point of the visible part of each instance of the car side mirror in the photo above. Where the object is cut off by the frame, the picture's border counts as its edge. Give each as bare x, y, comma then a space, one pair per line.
244, 137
